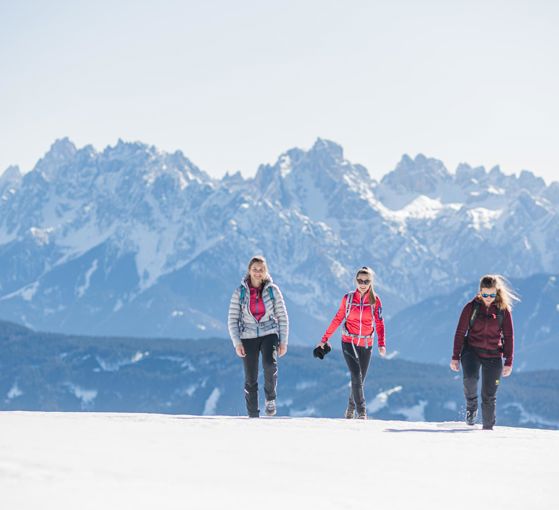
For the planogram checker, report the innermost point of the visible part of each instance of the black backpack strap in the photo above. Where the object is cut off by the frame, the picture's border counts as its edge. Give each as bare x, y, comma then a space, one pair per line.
242, 297
475, 309
501, 317
348, 303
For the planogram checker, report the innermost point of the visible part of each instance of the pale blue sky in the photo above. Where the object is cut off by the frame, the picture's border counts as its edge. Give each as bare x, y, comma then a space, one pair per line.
235, 83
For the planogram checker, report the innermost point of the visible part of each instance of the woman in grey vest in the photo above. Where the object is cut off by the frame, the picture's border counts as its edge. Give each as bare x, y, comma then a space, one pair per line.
258, 323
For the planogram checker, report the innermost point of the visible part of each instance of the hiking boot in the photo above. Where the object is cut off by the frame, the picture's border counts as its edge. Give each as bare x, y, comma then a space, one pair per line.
471, 416
270, 408
350, 412
362, 415
488, 427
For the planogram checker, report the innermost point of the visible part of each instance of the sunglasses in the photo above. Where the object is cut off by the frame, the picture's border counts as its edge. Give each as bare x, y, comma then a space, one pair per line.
363, 282
488, 295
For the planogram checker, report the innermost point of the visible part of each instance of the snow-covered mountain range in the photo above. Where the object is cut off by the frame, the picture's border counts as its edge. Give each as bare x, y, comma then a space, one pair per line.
135, 241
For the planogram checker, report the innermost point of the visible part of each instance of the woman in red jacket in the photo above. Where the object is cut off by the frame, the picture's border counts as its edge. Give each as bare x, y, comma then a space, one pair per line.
362, 311
483, 336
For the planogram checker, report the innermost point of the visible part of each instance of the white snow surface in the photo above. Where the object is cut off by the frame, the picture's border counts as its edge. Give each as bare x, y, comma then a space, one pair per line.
146, 461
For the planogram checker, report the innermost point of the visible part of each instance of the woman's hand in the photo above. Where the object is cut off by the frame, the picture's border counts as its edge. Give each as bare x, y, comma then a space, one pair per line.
507, 371
282, 349
240, 349
320, 344
382, 351
455, 365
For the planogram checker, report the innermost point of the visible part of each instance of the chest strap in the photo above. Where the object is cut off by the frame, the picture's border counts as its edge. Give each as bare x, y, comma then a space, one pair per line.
347, 333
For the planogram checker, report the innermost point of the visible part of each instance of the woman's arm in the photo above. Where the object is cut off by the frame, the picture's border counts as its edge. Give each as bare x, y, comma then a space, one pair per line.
280, 311
508, 336
234, 317
336, 321
379, 323
461, 329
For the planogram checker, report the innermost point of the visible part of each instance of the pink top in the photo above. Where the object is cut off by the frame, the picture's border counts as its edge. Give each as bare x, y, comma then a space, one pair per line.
257, 307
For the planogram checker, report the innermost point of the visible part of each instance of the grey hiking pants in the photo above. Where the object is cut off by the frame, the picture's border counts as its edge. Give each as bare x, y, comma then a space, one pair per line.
268, 346
357, 359
491, 369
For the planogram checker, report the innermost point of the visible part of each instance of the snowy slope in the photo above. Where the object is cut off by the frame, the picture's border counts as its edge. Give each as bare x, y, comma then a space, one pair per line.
141, 461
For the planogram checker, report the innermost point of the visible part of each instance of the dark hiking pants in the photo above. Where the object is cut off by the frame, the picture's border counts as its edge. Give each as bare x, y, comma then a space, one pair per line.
491, 369
357, 359
268, 346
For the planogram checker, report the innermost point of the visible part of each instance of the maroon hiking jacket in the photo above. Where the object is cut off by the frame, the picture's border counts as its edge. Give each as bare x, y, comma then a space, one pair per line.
485, 333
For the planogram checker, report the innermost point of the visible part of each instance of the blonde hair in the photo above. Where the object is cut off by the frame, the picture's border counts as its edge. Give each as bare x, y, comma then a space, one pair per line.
505, 295
258, 259
371, 274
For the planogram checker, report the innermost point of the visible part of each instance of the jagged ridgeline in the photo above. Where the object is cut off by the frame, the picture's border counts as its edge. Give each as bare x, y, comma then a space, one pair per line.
53, 372
135, 241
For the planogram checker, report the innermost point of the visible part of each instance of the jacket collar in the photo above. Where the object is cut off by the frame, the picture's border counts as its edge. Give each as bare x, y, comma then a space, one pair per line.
358, 294
267, 282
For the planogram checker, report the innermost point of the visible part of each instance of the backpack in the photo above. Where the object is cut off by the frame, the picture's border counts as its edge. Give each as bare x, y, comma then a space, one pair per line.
244, 291
500, 316
349, 302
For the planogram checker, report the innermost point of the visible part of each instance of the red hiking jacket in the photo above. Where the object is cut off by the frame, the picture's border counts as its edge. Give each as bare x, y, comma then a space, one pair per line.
361, 321
485, 333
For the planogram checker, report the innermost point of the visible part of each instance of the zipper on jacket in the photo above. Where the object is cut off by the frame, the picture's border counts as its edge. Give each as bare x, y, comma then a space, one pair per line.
248, 305
373, 322
361, 319
485, 326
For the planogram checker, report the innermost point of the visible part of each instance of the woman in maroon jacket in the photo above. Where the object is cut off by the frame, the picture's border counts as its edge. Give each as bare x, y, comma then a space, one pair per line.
362, 311
484, 336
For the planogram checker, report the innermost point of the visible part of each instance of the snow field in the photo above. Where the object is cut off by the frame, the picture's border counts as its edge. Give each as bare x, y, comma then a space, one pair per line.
145, 461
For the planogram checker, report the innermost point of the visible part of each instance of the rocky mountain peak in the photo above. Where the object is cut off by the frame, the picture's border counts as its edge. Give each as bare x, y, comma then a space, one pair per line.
63, 148
11, 174
466, 174
529, 181
61, 152
421, 175
327, 151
